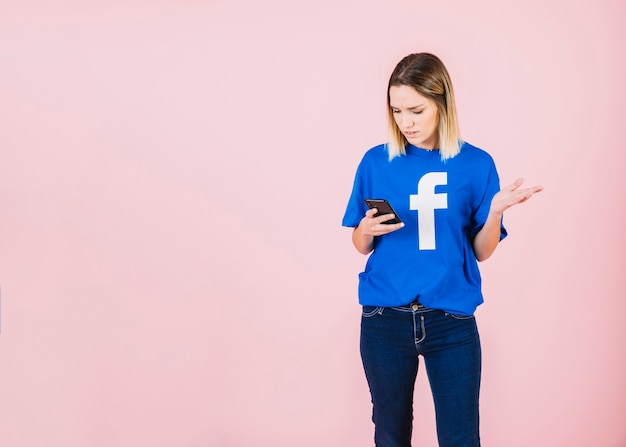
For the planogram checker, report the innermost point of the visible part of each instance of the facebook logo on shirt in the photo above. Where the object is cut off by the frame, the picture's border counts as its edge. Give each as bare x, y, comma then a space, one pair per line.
426, 201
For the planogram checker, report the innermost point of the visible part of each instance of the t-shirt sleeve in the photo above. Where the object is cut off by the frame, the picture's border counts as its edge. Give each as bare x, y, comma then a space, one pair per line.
488, 188
356, 206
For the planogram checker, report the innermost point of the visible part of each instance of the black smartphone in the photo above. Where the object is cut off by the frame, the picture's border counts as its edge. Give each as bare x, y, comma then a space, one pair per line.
383, 207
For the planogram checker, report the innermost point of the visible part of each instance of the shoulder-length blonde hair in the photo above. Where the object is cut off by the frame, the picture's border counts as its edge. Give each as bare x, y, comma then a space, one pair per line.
428, 75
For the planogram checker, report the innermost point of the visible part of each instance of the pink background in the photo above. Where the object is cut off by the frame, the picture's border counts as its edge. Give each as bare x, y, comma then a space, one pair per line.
172, 180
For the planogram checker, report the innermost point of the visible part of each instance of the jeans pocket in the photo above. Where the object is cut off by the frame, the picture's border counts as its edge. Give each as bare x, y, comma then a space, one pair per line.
459, 317
370, 311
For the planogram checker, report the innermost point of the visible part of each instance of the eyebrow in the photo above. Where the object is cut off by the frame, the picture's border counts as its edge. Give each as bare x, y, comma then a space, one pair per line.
408, 108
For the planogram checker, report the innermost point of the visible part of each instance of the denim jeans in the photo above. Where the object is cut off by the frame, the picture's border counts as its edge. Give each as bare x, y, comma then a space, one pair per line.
392, 339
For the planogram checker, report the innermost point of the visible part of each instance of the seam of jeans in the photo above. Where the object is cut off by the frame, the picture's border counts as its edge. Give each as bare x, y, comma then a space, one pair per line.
459, 317
408, 309
423, 329
378, 310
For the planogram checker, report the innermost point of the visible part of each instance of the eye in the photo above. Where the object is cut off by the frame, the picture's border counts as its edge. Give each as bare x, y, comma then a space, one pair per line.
417, 112
395, 111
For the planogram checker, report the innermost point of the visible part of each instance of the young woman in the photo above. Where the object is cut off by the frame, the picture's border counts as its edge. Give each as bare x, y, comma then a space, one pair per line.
421, 284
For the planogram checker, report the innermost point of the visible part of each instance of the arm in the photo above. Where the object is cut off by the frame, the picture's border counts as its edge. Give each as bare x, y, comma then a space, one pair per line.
486, 240
370, 226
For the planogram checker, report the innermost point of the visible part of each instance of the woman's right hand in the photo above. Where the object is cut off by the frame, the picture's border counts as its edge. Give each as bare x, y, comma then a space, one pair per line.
370, 226
375, 226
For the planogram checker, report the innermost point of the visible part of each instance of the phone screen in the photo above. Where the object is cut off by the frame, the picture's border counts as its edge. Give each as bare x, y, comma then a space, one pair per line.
383, 207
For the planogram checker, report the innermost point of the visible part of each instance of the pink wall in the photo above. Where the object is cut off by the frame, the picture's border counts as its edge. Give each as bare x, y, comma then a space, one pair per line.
172, 180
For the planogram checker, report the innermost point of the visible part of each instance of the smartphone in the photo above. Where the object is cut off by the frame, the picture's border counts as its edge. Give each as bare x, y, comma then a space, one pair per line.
383, 207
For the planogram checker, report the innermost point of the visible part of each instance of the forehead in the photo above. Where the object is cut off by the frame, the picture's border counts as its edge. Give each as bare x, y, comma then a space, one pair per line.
404, 96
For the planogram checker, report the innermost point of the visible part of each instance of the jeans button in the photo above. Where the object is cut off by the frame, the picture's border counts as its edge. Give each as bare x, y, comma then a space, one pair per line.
414, 307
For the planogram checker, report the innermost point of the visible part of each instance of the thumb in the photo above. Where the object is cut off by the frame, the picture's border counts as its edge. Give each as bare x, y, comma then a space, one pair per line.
516, 184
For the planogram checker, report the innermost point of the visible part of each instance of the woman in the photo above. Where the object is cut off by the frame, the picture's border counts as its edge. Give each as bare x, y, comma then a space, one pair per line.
421, 284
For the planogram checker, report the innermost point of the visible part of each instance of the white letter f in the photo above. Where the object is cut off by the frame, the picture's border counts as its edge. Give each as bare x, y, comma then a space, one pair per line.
426, 202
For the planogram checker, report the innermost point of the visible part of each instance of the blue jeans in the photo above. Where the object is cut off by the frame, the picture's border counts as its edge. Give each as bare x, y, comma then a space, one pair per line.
392, 339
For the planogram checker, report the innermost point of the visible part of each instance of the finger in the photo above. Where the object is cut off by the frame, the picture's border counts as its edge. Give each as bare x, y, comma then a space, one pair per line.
528, 192
516, 184
396, 226
388, 228
371, 212
522, 195
385, 218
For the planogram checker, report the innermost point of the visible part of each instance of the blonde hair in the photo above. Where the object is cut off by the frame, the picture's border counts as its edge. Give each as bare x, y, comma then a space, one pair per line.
428, 76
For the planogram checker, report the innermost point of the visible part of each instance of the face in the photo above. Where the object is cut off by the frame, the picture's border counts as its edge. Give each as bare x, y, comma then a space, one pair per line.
416, 116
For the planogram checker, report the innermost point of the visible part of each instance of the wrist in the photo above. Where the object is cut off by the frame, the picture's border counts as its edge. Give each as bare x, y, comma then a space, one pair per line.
495, 215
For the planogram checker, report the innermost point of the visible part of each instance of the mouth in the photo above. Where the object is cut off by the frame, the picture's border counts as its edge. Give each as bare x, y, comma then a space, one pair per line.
411, 134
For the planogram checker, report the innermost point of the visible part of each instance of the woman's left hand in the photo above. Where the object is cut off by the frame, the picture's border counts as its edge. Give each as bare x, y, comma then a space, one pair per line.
512, 195
487, 238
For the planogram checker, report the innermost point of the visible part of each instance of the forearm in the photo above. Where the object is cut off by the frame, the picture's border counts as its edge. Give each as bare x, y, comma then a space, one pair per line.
487, 239
364, 243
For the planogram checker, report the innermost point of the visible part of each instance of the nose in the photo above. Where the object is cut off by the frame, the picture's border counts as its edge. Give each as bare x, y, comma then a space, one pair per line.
407, 121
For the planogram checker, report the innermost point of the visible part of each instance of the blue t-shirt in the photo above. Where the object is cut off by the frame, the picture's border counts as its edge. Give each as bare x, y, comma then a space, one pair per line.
443, 205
